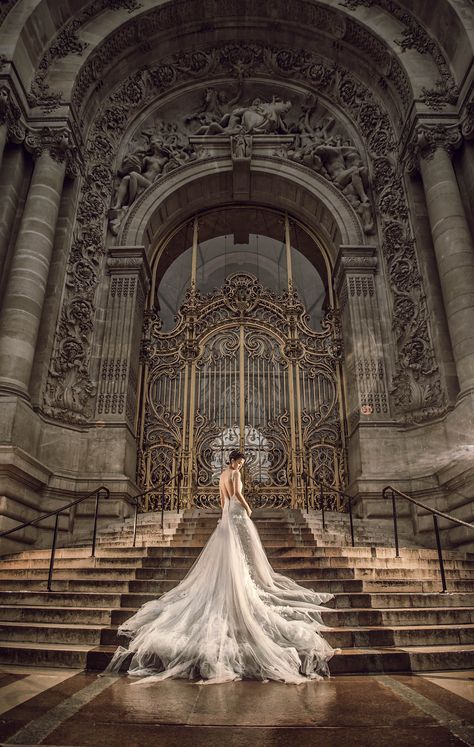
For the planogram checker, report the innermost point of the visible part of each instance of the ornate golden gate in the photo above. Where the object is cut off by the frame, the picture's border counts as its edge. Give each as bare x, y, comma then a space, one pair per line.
241, 369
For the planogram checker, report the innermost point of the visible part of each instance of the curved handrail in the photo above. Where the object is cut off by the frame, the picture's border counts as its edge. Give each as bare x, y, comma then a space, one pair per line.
427, 508
395, 493
32, 522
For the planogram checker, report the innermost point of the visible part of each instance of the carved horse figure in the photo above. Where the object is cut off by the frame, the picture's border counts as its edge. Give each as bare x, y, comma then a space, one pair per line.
259, 118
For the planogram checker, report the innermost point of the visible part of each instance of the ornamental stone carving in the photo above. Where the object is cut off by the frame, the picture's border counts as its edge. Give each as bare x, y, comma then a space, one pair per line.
467, 125
417, 388
10, 115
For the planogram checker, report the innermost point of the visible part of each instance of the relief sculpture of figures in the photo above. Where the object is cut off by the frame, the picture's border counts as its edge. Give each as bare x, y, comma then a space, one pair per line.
334, 158
258, 118
344, 165
166, 149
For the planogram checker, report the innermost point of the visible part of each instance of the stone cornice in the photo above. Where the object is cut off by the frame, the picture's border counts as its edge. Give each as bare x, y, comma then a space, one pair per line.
130, 260
354, 259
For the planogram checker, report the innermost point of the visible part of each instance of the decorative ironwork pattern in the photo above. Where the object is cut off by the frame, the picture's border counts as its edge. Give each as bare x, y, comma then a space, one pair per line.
241, 369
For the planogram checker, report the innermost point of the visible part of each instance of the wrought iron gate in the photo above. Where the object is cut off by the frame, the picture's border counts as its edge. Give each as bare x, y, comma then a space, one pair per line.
241, 369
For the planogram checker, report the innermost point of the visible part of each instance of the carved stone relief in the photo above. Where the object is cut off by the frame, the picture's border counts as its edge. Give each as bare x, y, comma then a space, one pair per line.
417, 387
67, 42
415, 36
326, 20
10, 115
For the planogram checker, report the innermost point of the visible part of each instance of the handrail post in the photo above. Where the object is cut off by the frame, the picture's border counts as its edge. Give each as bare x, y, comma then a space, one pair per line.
395, 524
306, 497
162, 504
440, 553
352, 522
180, 477
321, 498
53, 553
96, 515
135, 519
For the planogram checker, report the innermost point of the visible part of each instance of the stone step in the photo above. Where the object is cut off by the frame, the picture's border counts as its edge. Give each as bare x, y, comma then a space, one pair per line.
345, 601
349, 661
334, 618
290, 565
340, 637
388, 637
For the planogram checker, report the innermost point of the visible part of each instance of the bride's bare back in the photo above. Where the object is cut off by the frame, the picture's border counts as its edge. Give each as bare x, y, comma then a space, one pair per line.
230, 485
228, 482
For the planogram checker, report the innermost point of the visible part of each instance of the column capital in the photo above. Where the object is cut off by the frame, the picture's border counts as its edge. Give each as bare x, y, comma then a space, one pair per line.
57, 141
429, 137
10, 115
354, 259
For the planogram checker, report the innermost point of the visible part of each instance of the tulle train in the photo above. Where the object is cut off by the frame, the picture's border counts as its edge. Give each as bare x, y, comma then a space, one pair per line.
231, 617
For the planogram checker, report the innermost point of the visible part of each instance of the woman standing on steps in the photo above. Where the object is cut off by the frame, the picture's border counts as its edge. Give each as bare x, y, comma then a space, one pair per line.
232, 616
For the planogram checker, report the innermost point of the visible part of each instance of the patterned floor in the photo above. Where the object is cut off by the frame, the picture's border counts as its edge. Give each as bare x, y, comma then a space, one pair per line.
59, 707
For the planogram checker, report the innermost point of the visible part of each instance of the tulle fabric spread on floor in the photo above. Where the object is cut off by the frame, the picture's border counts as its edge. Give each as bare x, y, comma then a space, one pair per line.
232, 617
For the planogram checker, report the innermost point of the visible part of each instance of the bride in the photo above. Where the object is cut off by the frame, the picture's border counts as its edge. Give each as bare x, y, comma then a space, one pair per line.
232, 616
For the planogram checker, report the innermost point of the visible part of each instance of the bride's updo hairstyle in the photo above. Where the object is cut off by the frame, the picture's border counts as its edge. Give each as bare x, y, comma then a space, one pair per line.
234, 455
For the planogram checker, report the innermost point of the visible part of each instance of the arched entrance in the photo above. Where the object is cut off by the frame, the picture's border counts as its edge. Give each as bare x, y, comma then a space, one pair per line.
251, 361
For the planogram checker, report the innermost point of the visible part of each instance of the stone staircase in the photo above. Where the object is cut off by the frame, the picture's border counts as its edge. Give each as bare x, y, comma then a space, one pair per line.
387, 614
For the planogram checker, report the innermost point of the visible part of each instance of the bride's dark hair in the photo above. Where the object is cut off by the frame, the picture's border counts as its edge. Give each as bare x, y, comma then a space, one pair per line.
236, 454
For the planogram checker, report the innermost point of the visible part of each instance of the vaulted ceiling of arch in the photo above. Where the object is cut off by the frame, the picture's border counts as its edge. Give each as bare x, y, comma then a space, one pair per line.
76, 50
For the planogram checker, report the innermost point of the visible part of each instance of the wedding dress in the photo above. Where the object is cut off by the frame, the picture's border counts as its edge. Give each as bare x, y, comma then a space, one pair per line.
231, 617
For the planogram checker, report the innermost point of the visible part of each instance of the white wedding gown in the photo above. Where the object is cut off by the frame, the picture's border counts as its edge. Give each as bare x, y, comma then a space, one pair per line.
231, 617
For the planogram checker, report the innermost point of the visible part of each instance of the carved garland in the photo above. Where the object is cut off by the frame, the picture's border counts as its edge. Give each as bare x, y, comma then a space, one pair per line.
414, 36
141, 29
65, 43
417, 386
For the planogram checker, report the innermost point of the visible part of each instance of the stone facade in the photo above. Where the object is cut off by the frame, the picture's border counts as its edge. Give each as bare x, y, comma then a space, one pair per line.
122, 119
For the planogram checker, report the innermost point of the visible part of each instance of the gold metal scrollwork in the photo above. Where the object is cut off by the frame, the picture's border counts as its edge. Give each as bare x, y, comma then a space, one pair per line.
241, 369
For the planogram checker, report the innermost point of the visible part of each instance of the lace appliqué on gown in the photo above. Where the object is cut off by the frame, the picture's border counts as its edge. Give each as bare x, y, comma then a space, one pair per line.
231, 617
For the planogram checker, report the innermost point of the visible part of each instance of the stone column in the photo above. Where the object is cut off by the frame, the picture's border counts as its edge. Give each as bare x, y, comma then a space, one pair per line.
452, 241
367, 392
24, 295
118, 379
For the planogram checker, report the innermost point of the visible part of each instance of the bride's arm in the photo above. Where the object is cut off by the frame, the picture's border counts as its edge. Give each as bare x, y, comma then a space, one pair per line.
222, 496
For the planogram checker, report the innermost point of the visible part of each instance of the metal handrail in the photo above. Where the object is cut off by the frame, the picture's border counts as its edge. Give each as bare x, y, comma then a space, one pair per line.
52, 513
395, 493
305, 477
97, 493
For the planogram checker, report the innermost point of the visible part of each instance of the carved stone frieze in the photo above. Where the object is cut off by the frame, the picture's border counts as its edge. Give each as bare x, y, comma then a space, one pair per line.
326, 20
10, 115
417, 386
